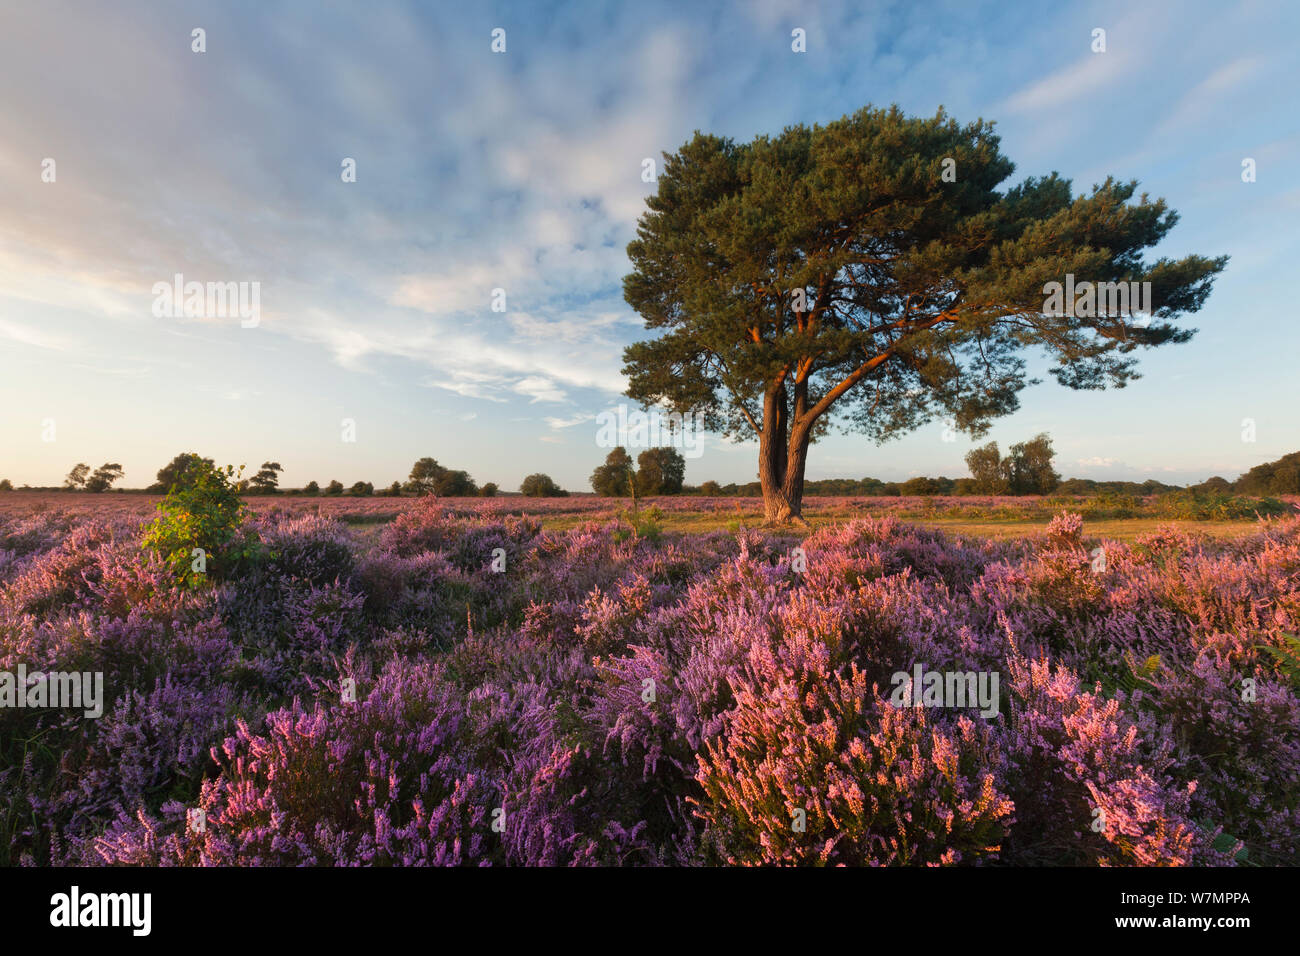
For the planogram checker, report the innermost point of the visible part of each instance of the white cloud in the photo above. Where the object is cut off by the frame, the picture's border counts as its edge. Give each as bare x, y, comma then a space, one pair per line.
539, 389
568, 422
39, 338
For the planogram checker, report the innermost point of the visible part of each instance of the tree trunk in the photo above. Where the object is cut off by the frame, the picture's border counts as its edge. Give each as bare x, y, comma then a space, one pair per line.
781, 458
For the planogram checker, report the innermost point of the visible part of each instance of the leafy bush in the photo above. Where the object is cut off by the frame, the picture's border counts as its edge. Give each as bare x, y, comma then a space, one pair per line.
197, 531
541, 486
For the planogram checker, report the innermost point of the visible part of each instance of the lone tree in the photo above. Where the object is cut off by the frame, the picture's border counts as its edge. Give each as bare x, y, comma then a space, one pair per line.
870, 271
76, 479
541, 486
104, 476
430, 478
267, 479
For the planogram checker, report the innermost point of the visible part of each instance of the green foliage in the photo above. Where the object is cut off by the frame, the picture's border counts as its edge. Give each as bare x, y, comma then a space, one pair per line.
1028, 467
987, 473
833, 271
614, 478
1288, 658
201, 511
1281, 477
362, 489
919, 485
1133, 678
489, 490
430, 478
1026, 470
267, 478
334, 488
175, 471
660, 471
104, 477
647, 524
6, 485
541, 486
1196, 505
77, 477
311, 488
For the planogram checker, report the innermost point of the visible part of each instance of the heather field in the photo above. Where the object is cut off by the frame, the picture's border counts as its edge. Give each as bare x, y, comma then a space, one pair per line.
1119, 517
423, 682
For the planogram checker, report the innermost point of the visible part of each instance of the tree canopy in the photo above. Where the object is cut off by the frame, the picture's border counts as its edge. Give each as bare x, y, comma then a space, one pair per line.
873, 267
430, 478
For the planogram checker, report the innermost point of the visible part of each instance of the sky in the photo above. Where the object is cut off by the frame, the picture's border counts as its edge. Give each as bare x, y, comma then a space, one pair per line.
376, 342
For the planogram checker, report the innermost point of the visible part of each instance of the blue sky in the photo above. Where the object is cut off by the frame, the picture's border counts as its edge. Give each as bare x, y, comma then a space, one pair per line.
522, 171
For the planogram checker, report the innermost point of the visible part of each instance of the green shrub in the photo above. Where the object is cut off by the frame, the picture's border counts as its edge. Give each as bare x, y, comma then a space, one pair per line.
197, 531
641, 524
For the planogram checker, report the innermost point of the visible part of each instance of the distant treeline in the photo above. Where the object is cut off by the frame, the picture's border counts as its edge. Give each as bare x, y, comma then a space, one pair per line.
875, 488
660, 473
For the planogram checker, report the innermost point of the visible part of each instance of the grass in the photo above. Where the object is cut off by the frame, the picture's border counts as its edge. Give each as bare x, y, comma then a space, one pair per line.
988, 517
1115, 529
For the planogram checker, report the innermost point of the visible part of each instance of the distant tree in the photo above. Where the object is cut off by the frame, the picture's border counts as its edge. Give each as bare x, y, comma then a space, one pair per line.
1281, 477
489, 490
660, 471
614, 478
1030, 469
964, 486
176, 470
541, 486
334, 488
395, 490
267, 479
455, 484
989, 473
77, 477
920, 485
1216, 483
430, 478
424, 476
104, 477
311, 488
710, 489
6, 485
362, 489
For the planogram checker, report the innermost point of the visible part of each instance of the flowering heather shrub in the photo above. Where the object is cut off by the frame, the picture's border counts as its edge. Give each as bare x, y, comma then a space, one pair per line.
613, 699
1245, 754
312, 547
814, 767
387, 779
1086, 789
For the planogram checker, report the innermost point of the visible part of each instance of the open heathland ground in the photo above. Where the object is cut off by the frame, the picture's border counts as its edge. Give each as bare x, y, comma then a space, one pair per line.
402, 681
1117, 518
